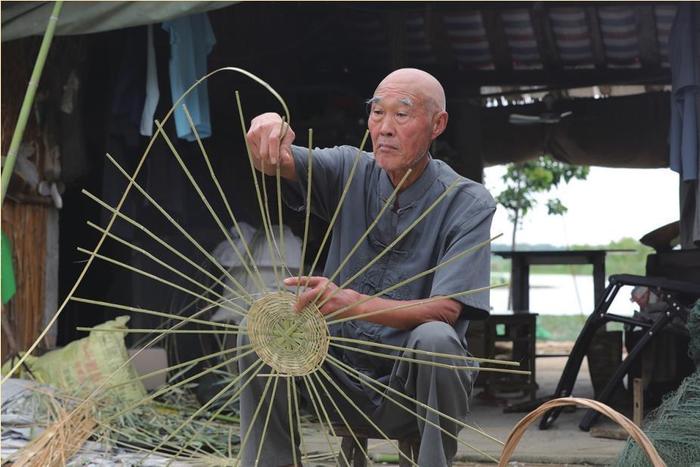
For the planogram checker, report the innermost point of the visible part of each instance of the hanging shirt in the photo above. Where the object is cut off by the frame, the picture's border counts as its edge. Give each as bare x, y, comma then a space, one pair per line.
191, 40
685, 81
152, 91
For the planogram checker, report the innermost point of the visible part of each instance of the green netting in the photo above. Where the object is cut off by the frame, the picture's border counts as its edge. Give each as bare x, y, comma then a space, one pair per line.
674, 427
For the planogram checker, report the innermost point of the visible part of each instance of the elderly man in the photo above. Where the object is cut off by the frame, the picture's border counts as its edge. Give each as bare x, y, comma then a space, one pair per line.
407, 112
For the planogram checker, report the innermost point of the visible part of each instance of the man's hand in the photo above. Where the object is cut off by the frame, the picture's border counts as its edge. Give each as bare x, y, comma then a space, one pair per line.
399, 314
270, 141
316, 285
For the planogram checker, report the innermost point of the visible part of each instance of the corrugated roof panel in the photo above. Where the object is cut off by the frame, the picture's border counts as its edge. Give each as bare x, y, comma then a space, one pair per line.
468, 40
418, 48
521, 39
572, 36
618, 26
664, 15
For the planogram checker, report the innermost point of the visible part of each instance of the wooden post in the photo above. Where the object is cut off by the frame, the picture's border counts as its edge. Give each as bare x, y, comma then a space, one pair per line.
638, 398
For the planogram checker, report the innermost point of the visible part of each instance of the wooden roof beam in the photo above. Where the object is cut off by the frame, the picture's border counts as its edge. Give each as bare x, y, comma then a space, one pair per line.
436, 32
597, 45
539, 16
646, 31
498, 42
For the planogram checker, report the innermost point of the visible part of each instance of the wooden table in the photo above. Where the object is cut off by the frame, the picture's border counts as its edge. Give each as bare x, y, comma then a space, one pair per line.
522, 260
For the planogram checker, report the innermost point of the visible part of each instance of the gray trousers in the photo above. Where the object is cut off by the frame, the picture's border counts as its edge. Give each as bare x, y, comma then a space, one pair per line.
446, 390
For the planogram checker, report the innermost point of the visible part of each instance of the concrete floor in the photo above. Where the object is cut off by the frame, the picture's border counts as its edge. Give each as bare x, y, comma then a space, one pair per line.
562, 444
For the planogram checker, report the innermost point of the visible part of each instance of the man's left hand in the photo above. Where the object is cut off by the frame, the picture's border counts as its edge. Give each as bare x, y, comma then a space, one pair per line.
315, 285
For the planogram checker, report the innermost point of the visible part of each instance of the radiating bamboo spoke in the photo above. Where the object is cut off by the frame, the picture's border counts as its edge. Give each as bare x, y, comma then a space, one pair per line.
205, 201
290, 419
389, 202
252, 422
256, 275
280, 220
162, 242
158, 261
254, 369
364, 415
369, 383
351, 371
425, 362
409, 305
342, 417
401, 235
405, 281
295, 398
204, 407
343, 194
238, 310
274, 247
182, 230
263, 208
307, 213
152, 330
160, 314
267, 419
314, 396
188, 364
169, 388
423, 352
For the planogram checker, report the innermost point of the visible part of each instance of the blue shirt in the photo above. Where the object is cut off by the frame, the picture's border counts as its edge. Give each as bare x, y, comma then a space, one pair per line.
191, 40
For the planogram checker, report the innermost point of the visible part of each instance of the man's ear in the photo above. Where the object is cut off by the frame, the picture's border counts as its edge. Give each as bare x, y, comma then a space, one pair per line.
439, 123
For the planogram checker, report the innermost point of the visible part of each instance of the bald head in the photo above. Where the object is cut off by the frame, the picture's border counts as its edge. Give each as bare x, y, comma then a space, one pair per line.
417, 82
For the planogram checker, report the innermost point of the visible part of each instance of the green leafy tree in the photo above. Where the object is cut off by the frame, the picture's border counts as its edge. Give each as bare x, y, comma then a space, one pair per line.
525, 180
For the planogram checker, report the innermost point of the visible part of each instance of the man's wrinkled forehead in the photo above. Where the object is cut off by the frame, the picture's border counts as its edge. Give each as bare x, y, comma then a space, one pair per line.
379, 98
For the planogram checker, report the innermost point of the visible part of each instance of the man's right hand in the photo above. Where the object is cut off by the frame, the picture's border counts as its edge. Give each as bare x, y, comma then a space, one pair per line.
270, 141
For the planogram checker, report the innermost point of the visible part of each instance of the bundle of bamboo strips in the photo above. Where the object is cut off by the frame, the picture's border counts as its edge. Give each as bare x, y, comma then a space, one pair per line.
61, 439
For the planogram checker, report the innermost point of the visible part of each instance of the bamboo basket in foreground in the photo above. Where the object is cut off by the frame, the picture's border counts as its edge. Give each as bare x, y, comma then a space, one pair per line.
633, 430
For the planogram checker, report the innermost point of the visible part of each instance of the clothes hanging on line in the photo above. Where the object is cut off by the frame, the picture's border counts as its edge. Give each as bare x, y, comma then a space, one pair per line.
191, 41
152, 91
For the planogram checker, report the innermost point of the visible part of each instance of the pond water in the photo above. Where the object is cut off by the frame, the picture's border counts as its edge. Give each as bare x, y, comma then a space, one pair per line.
560, 294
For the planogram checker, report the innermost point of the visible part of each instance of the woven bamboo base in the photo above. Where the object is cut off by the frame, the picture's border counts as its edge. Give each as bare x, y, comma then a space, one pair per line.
292, 343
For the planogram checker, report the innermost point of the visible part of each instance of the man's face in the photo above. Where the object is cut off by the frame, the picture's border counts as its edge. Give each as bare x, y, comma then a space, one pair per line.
401, 126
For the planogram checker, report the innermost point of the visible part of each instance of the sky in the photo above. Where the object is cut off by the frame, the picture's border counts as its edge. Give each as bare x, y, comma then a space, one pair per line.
609, 205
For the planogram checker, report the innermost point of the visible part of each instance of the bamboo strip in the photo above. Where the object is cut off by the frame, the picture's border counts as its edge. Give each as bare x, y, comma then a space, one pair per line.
424, 352
137, 170
365, 416
252, 422
28, 101
160, 241
166, 282
389, 202
156, 313
396, 240
203, 197
634, 431
343, 194
166, 389
424, 362
266, 226
257, 276
258, 365
411, 304
158, 261
342, 417
311, 390
425, 419
184, 232
405, 281
267, 420
351, 370
307, 214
